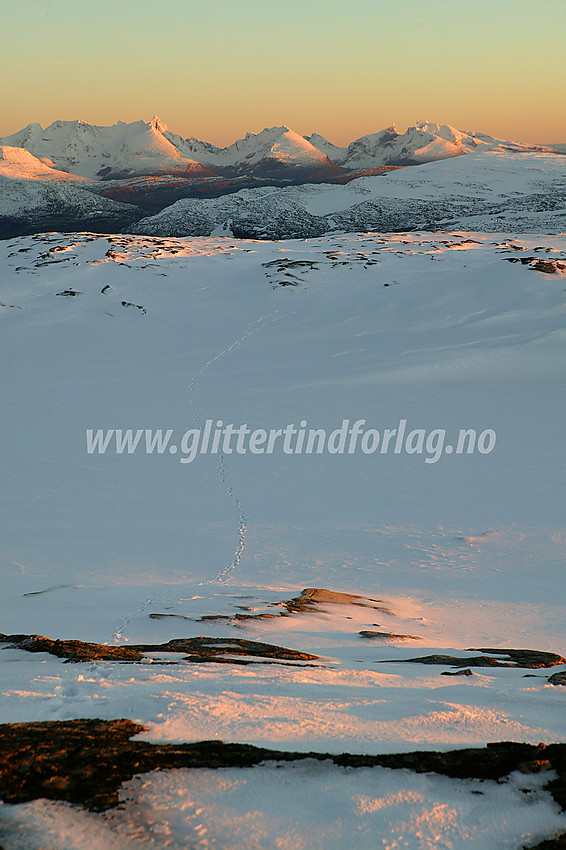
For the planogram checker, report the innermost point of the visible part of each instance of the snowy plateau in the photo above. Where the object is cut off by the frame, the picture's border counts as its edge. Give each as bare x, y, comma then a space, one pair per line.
285, 649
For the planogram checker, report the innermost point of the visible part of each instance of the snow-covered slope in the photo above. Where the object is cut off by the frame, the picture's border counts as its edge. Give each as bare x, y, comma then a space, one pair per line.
485, 191
249, 213
32, 205
388, 147
20, 164
274, 150
446, 331
278, 144
425, 142
444, 550
140, 148
147, 166
298, 806
475, 141
204, 152
332, 151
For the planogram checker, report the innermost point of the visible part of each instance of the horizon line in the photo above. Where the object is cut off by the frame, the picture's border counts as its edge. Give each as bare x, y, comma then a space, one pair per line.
156, 118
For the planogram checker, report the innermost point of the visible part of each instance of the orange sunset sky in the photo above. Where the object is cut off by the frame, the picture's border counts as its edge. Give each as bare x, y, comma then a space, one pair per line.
219, 68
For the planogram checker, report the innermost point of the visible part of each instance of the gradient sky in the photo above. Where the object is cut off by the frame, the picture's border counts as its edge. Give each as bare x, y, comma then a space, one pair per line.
219, 68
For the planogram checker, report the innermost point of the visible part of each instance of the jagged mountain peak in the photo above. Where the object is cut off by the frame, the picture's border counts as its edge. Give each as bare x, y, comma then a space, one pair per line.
269, 131
157, 124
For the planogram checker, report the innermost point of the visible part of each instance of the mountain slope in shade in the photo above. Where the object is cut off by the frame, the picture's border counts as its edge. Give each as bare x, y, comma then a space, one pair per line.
31, 206
206, 153
20, 164
332, 151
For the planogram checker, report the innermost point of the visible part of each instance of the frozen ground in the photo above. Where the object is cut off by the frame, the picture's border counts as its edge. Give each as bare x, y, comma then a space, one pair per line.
440, 330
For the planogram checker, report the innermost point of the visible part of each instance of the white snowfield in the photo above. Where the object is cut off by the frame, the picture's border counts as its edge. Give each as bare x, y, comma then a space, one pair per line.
446, 330
492, 175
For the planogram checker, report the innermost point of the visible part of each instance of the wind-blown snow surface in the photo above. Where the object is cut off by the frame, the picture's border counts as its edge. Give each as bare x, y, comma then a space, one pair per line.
437, 329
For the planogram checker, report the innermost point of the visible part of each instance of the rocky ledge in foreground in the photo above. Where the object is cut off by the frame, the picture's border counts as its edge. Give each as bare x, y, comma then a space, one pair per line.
85, 762
311, 600
531, 659
197, 649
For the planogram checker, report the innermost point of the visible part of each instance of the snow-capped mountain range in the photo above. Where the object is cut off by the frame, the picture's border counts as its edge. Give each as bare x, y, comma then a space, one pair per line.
150, 149
76, 176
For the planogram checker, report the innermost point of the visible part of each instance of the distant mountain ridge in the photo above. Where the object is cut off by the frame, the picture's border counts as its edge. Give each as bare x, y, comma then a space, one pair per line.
76, 176
149, 149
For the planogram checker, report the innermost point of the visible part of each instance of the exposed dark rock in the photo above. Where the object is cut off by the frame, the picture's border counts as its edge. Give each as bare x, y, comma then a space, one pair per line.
464, 672
526, 658
47, 590
197, 649
558, 678
283, 263
312, 596
534, 766
558, 843
85, 761
366, 633
158, 616
544, 266
549, 266
307, 602
531, 658
73, 650
212, 649
129, 304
